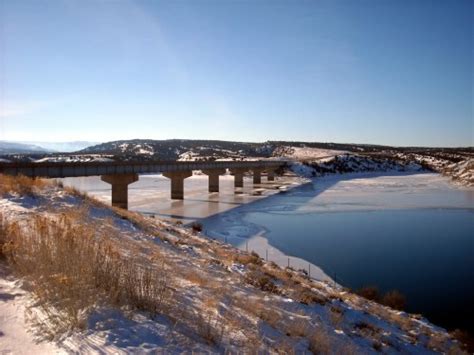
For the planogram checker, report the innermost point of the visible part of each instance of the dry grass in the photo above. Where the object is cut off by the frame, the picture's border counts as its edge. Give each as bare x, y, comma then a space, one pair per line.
194, 277
308, 297
21, 185
297, 327
321, 342
73, 266
394, 298
261, 281
246, 259
260, 309
337, 316
209, 324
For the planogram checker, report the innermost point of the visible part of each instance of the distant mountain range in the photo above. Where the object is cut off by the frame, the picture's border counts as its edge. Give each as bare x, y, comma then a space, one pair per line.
7, 147
21, 148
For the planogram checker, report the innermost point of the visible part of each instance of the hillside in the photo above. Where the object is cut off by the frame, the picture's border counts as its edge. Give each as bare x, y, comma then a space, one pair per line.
179, 149
324, 158
454, 162
20, 148
102, 279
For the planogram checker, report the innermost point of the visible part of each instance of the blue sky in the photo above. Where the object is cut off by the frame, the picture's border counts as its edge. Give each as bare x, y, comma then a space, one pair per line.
380, 71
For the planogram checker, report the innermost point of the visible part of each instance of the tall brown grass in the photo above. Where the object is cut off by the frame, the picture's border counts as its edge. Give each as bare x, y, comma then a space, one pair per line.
21, 185
74, 266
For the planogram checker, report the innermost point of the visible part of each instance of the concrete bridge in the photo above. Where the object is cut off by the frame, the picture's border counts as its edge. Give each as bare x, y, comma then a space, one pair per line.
121, 174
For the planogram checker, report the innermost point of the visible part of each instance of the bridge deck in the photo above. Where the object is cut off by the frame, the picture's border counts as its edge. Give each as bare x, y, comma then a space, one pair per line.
73, 169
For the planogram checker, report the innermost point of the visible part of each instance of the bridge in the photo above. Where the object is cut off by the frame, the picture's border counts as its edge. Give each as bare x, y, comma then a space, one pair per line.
121, 174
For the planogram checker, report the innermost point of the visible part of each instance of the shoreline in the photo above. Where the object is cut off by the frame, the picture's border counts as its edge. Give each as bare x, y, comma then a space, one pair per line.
247, 236
200, 206
249, 194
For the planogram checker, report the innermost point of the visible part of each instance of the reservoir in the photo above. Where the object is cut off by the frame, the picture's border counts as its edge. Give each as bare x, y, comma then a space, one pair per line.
410, 232
413, 233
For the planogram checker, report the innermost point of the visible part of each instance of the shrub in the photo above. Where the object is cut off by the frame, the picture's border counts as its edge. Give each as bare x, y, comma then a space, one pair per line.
308, 297
246, 259
369, 292
465, 338
209, 327
261, 281
73, 265
336, 315
394, 299
321, 342
21, 185
3, 234
196, 227
297, 327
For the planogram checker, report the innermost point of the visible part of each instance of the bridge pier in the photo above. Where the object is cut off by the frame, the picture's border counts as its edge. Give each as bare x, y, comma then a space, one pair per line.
238, 177
257, 176
120, 184
177, 183
214, 178
270, 175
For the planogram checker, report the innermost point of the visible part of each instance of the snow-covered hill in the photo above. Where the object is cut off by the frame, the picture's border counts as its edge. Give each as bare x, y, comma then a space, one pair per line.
324, 158
182, 149
213, 297
457, 165
348, 163
178, 149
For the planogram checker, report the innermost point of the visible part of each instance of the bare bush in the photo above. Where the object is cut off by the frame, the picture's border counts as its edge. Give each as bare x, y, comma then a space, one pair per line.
261, 281
246, 259
21, 185
308, 297
321, 342
209, 326
196, 227
465, 338
337, 316
369, 292
259, 308
73, 266
297, 327
394, 299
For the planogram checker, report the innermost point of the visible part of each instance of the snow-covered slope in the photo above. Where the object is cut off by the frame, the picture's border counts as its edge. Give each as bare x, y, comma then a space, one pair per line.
318, 162
179, 149
75, 158
222, 299
305, 153
459, 166
341, 164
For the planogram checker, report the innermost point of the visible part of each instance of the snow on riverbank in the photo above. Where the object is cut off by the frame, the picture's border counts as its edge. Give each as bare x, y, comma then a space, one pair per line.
250, 303
16, 337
